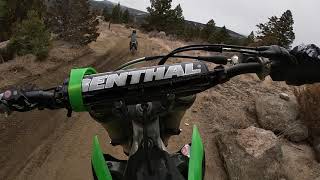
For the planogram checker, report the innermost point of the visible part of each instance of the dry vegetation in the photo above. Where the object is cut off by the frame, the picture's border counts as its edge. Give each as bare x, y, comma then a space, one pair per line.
309, 101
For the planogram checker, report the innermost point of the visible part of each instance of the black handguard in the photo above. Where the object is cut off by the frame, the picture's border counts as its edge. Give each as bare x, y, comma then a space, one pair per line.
308, 69
297, 67
23, 100
15, 100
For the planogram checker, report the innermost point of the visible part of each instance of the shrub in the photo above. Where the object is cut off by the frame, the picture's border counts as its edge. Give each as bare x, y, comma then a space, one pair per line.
31, 37
309, 102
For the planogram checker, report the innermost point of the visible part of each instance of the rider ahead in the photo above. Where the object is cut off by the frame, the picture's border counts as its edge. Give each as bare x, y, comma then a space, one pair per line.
133, 41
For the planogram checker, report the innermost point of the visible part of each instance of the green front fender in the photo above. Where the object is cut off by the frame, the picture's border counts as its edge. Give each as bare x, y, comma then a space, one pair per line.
195, 171
99, 165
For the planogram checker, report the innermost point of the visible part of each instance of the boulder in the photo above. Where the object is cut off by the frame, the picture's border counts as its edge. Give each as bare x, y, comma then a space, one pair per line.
161, 34
251, 154
156, 34
281, 117
4, 53
299, 162
152, 34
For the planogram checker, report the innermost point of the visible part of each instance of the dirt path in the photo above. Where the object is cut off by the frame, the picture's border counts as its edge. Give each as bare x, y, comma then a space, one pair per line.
48, 145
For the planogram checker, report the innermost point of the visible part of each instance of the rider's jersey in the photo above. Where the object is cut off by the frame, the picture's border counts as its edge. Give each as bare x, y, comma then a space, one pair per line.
133, 37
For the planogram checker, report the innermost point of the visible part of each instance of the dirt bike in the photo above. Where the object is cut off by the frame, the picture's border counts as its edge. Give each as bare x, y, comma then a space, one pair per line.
135, 95
133, 47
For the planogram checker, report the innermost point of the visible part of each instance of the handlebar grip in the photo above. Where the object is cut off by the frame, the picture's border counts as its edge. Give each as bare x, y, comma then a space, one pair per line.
36, 95
244, 69
214, 59
44, 99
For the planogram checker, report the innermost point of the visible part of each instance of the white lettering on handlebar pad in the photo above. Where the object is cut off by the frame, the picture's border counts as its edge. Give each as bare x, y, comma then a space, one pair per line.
107, 81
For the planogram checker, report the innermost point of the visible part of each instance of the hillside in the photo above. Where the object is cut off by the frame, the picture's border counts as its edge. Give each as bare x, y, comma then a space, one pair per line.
139, 16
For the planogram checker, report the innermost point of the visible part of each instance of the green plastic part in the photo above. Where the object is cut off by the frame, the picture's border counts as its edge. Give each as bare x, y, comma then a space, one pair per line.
98, 162
196, 156
75, 87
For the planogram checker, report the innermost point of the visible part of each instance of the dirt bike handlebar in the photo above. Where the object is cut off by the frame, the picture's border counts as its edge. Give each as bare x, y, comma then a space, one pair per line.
140, 85
144, 91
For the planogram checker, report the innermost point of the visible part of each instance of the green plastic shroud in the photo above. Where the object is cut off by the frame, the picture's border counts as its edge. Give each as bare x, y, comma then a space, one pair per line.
196, 156
98, 162
195, 162
75, 88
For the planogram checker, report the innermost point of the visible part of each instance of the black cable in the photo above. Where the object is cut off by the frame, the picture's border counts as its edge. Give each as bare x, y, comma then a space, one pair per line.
210, 48
204, 48
199, 47
151, 59
217, 45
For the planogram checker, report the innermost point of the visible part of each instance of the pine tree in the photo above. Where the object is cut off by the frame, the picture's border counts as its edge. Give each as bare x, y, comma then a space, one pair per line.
31, 37
286, 34
72, 20
176, 24
208, 30
126, 16
3, 8
159, 13
116, 14
106, 14
250, 39
222, 36
277, 31
13, 12
3, 20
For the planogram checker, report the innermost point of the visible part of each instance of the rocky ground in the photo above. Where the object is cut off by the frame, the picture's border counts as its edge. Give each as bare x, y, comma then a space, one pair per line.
249, 132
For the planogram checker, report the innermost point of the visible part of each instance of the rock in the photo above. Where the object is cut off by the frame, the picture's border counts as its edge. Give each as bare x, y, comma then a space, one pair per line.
299, 162
251, 154
256, 141
161, 34
5, 53
4, 44
152, 34
284, 96
316, 147
281, 117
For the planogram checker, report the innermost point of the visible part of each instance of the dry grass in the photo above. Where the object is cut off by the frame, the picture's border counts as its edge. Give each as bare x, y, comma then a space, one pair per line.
309, 103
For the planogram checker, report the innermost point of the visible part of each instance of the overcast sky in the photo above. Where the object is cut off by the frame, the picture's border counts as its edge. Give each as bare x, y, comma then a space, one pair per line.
242, 16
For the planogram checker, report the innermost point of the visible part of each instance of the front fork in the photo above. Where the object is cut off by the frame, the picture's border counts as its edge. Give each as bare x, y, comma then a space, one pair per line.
146, 130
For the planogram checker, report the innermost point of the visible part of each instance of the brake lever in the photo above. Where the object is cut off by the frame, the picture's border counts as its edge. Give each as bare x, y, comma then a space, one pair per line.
277, 53
266, 68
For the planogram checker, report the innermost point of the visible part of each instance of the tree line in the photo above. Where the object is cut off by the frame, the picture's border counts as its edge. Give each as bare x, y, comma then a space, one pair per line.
117, 15
162, 17
28, 24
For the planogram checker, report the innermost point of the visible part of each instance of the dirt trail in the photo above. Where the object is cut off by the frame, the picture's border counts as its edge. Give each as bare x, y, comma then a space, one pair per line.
48, 145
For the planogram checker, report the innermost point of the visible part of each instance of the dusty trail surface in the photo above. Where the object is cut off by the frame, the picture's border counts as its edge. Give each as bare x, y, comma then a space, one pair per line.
48, 145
